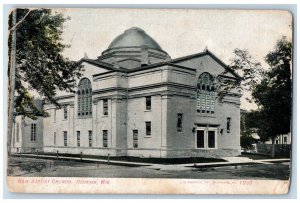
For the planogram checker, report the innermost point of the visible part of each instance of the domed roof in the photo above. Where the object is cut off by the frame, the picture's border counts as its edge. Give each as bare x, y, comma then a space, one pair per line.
134, 37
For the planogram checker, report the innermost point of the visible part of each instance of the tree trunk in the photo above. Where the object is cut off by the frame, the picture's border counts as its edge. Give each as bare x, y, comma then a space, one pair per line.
11, 84
273, 147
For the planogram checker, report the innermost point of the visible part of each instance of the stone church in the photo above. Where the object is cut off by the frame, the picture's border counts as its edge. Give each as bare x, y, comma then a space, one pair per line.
134, 100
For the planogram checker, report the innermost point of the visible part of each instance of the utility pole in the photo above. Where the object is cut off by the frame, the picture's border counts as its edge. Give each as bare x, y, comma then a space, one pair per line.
12, 79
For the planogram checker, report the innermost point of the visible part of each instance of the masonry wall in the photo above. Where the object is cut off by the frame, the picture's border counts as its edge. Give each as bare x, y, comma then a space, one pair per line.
24, 143
172, 90
148, 145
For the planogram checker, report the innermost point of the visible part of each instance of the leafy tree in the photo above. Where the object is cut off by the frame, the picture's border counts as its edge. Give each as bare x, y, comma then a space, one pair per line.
270, 89
40, 65
247, 140
273, 94
249, 70
249, 126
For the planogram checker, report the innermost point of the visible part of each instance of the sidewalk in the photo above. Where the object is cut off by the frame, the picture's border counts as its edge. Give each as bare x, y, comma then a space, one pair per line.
231, 161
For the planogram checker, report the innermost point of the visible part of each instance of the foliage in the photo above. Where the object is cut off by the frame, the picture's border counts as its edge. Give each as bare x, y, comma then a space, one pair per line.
270, 90
249, 70
40, 65
273, 94
247, 140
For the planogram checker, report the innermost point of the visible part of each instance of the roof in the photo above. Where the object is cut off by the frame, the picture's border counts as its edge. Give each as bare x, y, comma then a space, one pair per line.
169, 62
207, 52
134, 37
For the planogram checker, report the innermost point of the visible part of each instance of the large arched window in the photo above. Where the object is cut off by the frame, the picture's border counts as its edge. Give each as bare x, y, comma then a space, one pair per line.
205, 94
84, 98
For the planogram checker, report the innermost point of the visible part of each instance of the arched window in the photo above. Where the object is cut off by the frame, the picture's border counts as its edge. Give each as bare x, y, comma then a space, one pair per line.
84, 98
205, 94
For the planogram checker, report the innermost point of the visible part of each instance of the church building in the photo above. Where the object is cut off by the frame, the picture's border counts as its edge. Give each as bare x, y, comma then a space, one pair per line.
134, 100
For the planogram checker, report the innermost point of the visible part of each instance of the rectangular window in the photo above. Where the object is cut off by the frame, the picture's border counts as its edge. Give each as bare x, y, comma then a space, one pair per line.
104, 138
54, 138
33, 132
135, 139
200, 138
285, 140
148, 127
90, 138
17, 132
179, 122
79, 103
148, 103
65, 138
78, 138
211, 139
65, 112
228, 124
105, 106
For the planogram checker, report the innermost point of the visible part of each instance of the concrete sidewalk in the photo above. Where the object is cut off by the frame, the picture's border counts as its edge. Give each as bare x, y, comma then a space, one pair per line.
231, 161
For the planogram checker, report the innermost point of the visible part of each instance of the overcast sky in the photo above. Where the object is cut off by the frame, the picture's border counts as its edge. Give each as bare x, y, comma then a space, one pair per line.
178, 32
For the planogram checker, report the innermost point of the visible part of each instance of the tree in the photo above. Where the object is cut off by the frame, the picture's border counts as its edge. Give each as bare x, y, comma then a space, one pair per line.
270, 88
273, 94
36, 63
249, 125
40, 66
247, 140
249, 70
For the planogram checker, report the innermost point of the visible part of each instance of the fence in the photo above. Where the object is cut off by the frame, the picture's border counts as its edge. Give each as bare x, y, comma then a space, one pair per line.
280, 149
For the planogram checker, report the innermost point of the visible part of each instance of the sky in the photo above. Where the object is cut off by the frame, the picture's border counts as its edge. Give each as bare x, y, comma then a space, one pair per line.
179, 32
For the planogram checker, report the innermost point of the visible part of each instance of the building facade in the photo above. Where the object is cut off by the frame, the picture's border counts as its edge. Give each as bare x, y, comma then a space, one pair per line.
134, 100
27, 133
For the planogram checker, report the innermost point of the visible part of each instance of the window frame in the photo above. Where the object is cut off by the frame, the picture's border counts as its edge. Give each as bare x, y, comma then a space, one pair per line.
33, 132
65, 136
105, 138
105, 107
148, 103
209, 146
228, 124
135, 139
179, 122
284, 140
84, 98
78, 138
205, 98
90, 138
148, 125
206, 137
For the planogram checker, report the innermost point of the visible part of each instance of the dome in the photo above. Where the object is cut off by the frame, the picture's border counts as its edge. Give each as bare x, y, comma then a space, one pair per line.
134, 37
133, 48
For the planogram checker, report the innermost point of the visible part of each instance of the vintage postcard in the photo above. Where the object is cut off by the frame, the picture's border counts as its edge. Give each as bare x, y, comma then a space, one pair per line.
149, 101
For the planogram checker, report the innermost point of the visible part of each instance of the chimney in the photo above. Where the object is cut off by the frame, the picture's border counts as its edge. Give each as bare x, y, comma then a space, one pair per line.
144, 55
85, 56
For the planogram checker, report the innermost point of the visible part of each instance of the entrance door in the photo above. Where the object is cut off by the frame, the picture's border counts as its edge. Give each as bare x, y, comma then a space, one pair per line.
200, 138
211, 139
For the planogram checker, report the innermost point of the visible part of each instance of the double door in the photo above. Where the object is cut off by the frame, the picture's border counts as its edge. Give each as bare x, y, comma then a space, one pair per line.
206, 138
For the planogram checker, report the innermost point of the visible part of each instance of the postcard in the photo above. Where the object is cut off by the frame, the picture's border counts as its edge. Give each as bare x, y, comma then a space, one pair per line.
149, 101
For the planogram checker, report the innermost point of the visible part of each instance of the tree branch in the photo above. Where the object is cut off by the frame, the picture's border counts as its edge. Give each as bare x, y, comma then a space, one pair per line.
15, 27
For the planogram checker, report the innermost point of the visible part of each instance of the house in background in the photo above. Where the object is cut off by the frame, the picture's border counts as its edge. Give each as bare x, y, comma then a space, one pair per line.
134, 100
27, 134
282, 139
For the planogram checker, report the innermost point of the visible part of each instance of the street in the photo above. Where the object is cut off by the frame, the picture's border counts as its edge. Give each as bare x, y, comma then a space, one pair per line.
30, 167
